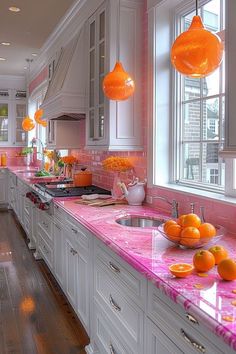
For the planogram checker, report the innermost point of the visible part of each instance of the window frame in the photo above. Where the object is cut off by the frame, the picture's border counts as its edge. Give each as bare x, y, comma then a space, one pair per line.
177, 91
159, 176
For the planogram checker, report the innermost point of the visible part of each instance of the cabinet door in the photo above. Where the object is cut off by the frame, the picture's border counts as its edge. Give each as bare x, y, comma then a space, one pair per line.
70, 266
83, 286
20, 113
157, 342
3, 186
4, 123
58, 254
96, 100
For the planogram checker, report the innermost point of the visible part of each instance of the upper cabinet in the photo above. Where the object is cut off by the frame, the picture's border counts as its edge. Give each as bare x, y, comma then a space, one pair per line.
12, 112
114, 32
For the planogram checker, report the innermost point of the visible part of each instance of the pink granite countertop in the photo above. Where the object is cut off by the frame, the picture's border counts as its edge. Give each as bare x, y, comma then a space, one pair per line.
208, 298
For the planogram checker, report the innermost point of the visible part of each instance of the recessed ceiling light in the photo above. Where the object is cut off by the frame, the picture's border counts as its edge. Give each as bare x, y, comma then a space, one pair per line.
6, 43
34, 54
2, 59
25, 67
14, 9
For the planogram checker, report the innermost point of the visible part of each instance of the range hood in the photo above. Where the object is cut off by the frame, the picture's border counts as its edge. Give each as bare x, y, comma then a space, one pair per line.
65, 96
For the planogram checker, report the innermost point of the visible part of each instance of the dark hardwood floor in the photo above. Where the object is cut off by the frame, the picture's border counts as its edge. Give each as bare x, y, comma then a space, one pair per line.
34, 314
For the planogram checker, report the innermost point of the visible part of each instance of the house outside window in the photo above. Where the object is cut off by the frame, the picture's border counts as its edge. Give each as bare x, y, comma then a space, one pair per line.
200, 112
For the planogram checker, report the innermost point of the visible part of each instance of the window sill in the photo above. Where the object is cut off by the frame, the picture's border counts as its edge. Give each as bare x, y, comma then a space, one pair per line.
195, 192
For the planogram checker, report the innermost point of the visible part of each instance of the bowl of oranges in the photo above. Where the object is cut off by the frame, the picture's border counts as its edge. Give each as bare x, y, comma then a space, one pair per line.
189, 232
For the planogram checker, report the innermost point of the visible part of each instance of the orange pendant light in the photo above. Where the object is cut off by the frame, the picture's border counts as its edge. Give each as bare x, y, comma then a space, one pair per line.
196, 52
38, 116
27, 124
43, 123
118, 84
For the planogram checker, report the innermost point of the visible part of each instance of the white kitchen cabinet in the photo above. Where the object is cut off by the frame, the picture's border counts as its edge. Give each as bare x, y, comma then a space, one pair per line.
113, 125
158, 342
12, 181
3, 187
77, 269
58, 251
12, 111
70, 267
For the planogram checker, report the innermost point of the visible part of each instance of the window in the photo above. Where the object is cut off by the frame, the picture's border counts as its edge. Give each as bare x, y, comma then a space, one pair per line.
200, 112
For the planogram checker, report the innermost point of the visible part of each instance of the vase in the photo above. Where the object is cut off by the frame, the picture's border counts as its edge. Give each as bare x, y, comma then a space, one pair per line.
68, 171
116, 191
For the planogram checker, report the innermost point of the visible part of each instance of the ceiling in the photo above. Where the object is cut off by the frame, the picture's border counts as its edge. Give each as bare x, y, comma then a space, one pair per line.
26, 30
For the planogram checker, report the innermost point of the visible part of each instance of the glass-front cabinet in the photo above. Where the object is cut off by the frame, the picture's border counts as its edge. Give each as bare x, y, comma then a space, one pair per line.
113, 125
96, 75
4, 119
20, 134
12, 112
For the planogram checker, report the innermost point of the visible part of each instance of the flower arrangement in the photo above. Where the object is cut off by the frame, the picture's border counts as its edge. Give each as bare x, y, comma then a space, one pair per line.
69, 160
117, 164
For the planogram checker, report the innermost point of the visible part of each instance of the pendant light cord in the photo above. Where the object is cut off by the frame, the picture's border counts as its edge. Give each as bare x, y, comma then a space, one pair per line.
118, 30
196, 7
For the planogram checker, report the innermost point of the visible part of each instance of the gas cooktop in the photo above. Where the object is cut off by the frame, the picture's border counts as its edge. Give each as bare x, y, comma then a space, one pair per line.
66, 189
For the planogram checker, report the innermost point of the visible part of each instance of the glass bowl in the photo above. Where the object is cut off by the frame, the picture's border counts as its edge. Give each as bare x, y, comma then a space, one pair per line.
194, 243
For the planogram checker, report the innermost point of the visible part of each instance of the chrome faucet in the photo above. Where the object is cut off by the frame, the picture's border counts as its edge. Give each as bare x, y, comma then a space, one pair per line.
33, 141
174, 206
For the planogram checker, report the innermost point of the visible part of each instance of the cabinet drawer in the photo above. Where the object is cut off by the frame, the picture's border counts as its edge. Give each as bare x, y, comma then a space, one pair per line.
122, 310
45, 223
45, 250
106, 336
80, 233
59, 213
189, 336
124, 276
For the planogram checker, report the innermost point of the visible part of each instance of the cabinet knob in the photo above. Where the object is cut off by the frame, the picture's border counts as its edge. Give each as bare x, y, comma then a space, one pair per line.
112, 351
113, 304
196, 345
191, 318
114, 268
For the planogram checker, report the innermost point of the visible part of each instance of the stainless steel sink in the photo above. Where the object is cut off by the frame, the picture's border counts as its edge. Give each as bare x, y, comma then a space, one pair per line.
26, 171
140, 221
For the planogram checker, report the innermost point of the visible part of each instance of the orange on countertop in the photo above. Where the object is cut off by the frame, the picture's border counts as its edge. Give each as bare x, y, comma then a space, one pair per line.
227, 269
207, 230
173, 232
219, 253
191, 220
181, 270
203, 261
190, 236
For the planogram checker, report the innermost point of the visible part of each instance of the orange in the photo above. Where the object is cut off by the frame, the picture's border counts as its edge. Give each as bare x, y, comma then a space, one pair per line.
191, 220
168, 223
207, 230
173, 232
219, 252
227, 269
203, 260
181, 270
181, 219
190, 236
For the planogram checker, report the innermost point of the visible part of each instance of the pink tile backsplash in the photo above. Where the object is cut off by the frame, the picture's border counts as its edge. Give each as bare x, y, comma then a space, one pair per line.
12, 159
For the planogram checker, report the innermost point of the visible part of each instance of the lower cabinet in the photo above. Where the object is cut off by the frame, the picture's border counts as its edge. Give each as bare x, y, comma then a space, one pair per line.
3, 187
58, 252
157, 342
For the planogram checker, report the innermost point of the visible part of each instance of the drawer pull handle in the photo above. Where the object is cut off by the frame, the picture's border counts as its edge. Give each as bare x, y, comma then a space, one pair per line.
196, 345
112, 351
74, 252
74, 230
56, 206
191, 318
114, 268
113, 304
